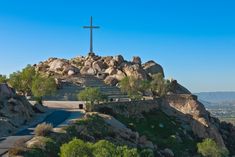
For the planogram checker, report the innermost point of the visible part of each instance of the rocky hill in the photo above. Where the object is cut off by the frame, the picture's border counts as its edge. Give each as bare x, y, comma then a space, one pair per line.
15, 110
77, 73
110, 69
178, 117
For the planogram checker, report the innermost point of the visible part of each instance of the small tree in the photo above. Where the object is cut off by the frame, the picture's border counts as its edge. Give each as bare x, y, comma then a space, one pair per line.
22, 81
91, 95
3, 79
124, 151
158, 85
144, 86
42, 86
147, 153
15, 81
131, 86
75, 148
27, 76
209, 148
104, 148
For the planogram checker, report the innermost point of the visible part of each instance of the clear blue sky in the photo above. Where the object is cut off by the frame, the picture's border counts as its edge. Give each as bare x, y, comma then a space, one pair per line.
194, 40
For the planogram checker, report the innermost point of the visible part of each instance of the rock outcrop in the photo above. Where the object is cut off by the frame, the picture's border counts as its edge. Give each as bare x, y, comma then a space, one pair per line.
152, 68
14, 110
193, 114
111, 69
57, 66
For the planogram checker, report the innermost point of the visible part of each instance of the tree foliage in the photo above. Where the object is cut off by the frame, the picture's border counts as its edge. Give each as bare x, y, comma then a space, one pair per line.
76, 148
131, 86
43, 86
159, 85
209, 148
102, 148
29, 82
136, 88
92, 96
3, 79
22, 81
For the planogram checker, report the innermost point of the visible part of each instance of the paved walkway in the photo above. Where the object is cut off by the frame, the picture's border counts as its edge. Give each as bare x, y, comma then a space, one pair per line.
58, 118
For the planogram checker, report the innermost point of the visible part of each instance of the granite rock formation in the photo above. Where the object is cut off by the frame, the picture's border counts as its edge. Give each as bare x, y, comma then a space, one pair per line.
14, 110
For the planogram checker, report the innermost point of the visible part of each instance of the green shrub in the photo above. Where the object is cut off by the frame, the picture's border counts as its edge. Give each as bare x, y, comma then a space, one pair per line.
3, 79
35, 153
92, 96
76, 148
22, 80
104, 149
132, 87
124, 151
60, 137
209, 148
43, 129
45, 145
71, 131
42, 86
147, 153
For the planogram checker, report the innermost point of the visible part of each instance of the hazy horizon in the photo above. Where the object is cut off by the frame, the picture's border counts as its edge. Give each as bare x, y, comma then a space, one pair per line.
193, 41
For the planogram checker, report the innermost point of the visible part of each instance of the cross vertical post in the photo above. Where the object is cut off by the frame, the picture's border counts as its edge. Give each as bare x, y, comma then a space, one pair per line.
91, 27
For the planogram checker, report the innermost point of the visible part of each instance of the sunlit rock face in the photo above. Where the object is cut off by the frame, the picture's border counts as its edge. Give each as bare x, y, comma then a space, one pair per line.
14, 110
111, 69
192, 113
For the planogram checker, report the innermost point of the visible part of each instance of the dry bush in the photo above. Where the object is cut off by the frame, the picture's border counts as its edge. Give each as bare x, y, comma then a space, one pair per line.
43, 129
16, 151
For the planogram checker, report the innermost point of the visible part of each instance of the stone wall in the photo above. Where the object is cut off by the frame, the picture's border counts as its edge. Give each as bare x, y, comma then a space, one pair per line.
130, 108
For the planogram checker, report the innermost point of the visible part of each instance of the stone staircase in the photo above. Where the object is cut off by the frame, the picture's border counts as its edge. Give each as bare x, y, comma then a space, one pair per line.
70, 88
112, 92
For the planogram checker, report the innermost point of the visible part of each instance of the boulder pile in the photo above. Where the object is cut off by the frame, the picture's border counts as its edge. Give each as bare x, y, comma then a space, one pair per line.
111, 69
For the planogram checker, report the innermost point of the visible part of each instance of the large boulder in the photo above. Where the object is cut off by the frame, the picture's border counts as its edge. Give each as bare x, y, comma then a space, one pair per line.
178, 89
152, 68
136, 60
110, 80
119, 59
14, 110
134, 70
98, 65
107, 59
87, 70
57, 65
113, 63
5, 90
111, 71
62, 66
119, 75
88, 63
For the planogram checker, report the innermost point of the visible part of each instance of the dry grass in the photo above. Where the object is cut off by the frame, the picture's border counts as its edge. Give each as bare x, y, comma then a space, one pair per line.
43, 129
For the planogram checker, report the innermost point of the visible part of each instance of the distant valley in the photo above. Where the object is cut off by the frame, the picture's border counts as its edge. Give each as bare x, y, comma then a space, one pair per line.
219, 104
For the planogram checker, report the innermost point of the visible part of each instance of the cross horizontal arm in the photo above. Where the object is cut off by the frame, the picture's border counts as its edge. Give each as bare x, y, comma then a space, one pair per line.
91, 27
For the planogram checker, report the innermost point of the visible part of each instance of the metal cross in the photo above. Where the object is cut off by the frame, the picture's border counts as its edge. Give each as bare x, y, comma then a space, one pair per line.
91, 34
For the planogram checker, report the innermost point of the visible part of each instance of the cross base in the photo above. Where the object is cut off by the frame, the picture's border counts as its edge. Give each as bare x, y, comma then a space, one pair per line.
92, 54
